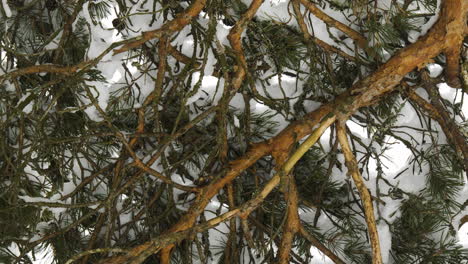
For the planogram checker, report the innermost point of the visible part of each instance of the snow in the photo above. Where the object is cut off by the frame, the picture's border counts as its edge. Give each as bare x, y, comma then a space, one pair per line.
310, 105
182, 204
434, 69
356, 128
68, 188
319, 257
413, 36
53, 44
463, 235
217, 235
45, 256
208, 89
6, 7
29, 199
385, 239
277, 2
456, 97
390, 211
100, 91
453, 95
237, 102
57, 211
236, 121
398, 155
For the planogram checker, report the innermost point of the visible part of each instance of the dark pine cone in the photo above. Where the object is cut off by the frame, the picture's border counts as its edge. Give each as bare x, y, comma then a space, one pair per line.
51, 5
118, 24
229, 21
16, 3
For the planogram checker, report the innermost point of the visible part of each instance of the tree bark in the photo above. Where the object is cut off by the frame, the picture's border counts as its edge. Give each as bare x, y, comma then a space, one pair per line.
445, 34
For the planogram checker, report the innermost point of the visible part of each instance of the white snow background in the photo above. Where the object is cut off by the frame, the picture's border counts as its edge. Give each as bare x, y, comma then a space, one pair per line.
212, 88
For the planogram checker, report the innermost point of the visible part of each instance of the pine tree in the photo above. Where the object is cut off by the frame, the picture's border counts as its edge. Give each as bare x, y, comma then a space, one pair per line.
230, 131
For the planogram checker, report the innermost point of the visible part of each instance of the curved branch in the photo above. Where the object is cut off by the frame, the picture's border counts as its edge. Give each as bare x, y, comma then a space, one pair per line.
139, 253
361, 94
182, 57
51, 68
234, 38
180, 21
360, 39
437, 112
353, 169
308, 37
316, 243
453, 47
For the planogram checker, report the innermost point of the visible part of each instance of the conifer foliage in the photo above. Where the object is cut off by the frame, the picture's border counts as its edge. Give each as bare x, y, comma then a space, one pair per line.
233, 131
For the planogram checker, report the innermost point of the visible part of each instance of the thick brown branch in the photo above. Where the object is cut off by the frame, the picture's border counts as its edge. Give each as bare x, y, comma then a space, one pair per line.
159, 83
231, 252
292, 221
172, 26
234, 38
53, 68
65, 70
361, 94
182, 57
456, 33
414, 56
463, 221
139, 253
289, 191
464, 70
353, 169
452, 72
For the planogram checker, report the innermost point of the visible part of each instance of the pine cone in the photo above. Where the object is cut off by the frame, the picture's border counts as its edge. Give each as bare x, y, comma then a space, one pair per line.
118, 24
51, 5
16, 3
229, 22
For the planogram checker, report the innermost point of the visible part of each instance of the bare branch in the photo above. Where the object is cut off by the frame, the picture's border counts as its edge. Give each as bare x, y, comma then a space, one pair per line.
169, 28
360, 40
353, 170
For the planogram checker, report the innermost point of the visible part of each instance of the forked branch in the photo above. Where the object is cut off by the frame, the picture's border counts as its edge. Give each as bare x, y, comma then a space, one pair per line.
138, 254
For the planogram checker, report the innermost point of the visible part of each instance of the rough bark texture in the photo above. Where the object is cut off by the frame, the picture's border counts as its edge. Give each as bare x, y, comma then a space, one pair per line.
443, 37
364, 194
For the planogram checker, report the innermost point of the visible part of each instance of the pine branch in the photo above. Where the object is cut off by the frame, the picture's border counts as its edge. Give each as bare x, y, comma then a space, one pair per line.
49, 143
179, 22
353, 170
437, 112
138, 254
385, 79
360, 40
316, 243
308, 36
